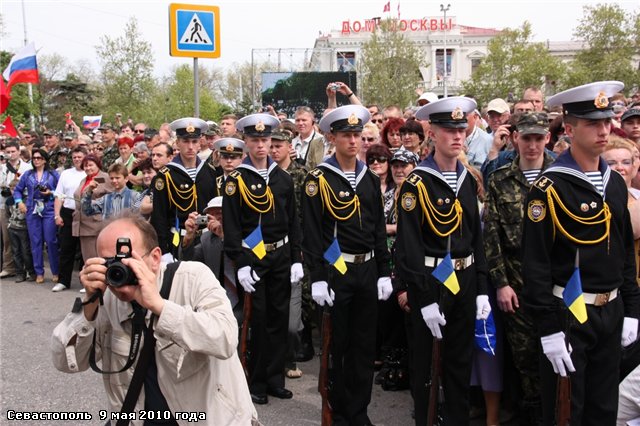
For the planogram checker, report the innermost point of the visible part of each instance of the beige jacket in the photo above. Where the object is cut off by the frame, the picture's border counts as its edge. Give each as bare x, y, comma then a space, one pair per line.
89, 226
197, 335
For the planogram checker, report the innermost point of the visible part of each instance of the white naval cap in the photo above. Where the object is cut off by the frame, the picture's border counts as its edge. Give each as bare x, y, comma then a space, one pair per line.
348, 118
189, 127
589, 101
229, 145
448, 112
257, 124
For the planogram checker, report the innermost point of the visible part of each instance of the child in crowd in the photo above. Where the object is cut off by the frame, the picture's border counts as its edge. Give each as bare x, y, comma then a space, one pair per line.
113, 203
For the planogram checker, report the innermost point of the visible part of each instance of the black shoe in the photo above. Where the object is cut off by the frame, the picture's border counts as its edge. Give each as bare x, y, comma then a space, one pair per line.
21, 278
31, 277
305, 353
259, 399
281, 393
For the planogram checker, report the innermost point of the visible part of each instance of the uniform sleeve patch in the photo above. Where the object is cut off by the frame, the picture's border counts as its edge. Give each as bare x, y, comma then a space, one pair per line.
311, 188
537, 210
543, 183
159, 184
408, 201
230, 188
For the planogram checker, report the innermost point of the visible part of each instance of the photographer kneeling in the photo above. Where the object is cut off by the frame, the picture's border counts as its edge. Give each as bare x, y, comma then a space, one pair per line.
193, 367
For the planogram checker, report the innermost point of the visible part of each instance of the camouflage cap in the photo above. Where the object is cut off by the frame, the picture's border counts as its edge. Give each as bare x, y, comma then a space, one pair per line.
281, 135
106, 126
69, 136
633, 112
214, 129
533, 123
50, 132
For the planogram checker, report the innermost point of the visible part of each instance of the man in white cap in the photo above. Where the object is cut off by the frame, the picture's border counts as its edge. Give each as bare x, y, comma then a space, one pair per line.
262, 236
346, 252
498, 113
427, 98
577, 228
439, 222
183, 186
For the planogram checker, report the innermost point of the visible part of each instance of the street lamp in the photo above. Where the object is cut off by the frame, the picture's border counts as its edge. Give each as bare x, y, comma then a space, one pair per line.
444, 10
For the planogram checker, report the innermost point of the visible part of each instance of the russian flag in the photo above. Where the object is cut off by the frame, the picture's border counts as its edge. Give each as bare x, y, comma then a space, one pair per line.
91, 121
23, 67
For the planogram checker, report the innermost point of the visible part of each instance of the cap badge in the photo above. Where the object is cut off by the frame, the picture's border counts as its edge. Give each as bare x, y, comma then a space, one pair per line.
352, 120
457, 114
229, 148
260, 126
601, 101
190, 128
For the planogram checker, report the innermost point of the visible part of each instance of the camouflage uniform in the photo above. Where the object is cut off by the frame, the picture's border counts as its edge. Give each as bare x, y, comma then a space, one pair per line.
507, 190
54, 162
109, 156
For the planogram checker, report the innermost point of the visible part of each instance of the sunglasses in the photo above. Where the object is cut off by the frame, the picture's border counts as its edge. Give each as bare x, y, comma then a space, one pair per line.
378, 120
364, 139
380, 160
138, 131
37, 158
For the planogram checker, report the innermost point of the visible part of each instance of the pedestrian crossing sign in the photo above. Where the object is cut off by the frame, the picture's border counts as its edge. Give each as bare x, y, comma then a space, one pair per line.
194, 30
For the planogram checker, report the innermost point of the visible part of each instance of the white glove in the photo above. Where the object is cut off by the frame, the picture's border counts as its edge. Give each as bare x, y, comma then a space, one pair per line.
483, 308
321, 293
296, 273
248, 278
629, 331
167, 258
556, 351
384, 288
434, 319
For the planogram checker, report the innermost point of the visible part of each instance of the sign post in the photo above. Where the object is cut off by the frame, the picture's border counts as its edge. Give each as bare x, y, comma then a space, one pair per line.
194, 32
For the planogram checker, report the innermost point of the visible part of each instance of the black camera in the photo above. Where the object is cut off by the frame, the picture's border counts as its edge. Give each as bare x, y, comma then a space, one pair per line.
119, 274
5, 192
42, 188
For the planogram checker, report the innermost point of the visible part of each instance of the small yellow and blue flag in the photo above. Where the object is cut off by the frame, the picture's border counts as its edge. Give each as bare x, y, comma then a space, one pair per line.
333, 255
573, 298
445, 273
255, 243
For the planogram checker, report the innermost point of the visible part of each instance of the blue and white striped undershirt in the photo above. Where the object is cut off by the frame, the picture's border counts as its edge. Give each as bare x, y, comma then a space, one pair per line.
596, 180
531, 175
351, 177
192, 173
264, 173
452, 179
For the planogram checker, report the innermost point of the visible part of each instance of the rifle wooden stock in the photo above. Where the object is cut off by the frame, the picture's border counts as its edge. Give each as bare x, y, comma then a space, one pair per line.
563, 401
244, 336
434, 388
325, 366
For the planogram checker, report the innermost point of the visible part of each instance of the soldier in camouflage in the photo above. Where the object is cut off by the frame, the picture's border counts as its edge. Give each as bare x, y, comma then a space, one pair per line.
110, 153
280, 146
507, 190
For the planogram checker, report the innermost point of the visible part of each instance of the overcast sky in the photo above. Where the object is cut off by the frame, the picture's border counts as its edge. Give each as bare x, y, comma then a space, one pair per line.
73, 28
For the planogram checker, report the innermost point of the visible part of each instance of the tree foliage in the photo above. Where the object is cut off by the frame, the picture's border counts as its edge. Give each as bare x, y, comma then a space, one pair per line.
513, 63
390, 66
611, 39
126, 77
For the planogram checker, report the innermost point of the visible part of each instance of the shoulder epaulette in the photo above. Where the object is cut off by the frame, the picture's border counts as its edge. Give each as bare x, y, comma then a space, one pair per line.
164, 170
219, 180
235, 174
414, 179
316, 172
543, 183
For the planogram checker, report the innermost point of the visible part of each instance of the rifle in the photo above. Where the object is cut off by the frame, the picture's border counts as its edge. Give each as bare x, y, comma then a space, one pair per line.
434, 385
324, 384
563, 401
244, 335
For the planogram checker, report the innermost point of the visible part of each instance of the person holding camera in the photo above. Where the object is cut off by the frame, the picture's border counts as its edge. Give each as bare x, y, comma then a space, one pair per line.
187, 361
38, 184
10, 171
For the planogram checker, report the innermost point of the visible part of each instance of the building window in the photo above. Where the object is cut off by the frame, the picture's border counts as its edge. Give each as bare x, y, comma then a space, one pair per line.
346, 61
475, 63
440, 63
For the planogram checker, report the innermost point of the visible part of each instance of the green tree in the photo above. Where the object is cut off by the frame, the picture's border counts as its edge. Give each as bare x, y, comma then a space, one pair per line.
513, 63
236, 87
390, 66
126, 77
611, 39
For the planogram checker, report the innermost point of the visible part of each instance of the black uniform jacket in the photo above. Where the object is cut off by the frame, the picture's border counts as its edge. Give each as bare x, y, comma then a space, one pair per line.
415, 238
549, 255
361, 233
240, 220
163, 216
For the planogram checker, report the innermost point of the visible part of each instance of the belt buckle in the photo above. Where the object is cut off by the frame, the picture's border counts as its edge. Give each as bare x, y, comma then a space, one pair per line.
459, 264
269, 247
359, 258
601, 299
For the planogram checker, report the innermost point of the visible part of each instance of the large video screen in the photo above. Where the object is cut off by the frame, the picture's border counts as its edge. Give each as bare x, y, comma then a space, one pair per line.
288, 90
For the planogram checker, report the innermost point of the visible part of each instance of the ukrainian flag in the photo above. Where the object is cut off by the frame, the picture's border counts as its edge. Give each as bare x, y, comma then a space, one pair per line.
573, 298
255, 243
445, 273
333, 255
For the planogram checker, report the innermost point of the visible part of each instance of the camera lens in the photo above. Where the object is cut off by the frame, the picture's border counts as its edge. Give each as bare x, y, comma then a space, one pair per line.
118, 275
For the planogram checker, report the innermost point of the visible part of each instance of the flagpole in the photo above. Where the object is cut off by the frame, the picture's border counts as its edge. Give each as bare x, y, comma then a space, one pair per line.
32, 120
444, 77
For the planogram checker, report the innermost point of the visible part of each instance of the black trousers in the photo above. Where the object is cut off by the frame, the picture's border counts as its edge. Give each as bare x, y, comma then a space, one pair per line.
69, 246
456, 348
270, 321
353, 342
596, 358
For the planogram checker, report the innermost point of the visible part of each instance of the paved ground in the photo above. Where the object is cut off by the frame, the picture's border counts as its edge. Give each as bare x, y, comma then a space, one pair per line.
29, 382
